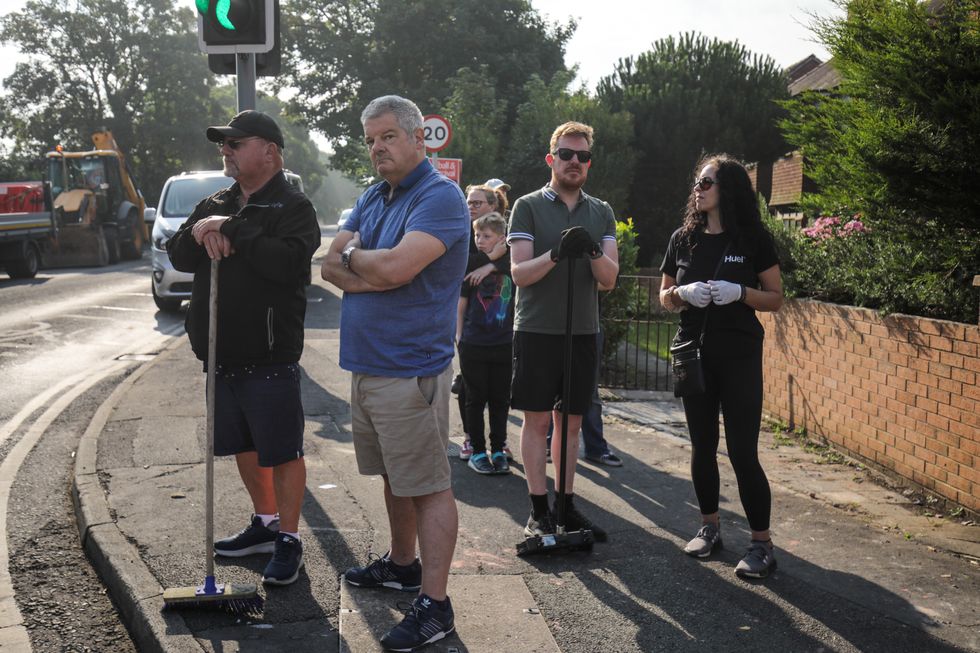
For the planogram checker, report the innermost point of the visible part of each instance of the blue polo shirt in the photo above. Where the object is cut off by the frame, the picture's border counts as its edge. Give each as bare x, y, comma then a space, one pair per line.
407, 331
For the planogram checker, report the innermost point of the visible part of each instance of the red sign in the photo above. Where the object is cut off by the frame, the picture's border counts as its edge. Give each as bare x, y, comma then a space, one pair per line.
452, 168
437, 132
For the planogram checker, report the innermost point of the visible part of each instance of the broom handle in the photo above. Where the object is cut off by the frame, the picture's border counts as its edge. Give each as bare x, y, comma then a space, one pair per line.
566, 393
209, 454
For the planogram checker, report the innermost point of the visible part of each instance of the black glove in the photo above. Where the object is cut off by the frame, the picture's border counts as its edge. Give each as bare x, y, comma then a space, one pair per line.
594, 251
574, 242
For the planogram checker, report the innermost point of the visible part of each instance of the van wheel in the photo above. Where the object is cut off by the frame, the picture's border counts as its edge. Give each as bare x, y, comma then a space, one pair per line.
164, 304
26, 267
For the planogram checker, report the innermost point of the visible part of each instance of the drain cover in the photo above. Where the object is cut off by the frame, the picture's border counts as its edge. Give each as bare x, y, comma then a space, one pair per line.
137, 357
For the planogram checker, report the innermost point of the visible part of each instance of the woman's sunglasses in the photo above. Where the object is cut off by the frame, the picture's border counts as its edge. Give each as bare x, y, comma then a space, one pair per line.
566, 154
704, 183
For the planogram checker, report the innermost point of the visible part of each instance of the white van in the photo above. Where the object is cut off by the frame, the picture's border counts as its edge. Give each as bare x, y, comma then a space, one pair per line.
178, 198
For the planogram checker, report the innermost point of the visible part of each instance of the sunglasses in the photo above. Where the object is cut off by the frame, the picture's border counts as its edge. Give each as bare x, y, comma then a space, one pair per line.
234, 145
566, 154
704, 183
475, 203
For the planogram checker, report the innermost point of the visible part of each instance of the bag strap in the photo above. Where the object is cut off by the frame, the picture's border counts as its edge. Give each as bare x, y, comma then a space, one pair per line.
704, 322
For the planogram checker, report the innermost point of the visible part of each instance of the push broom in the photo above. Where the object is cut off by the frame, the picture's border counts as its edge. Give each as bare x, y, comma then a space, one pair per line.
562, 540
235, 598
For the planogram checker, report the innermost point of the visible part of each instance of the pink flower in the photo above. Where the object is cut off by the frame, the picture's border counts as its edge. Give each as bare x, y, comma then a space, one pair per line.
854, 227
830, 227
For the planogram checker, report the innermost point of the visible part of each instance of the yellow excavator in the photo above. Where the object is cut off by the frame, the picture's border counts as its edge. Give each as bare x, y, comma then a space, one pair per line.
97, 207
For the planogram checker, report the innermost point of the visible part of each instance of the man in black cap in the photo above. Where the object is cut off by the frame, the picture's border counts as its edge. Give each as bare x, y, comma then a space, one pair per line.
264, 231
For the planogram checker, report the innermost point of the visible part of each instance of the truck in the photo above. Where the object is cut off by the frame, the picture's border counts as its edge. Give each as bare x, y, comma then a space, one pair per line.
27, 226
86, 211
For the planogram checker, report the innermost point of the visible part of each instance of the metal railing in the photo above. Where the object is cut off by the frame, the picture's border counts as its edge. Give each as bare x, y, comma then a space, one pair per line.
638, 333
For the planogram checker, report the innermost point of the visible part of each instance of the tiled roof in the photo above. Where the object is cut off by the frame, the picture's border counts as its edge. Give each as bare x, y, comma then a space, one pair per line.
822, 78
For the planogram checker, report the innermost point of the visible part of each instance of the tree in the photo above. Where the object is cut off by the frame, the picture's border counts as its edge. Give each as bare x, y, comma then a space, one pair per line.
132, 67
896, 142
690, 96
477, 117
901, 132
340, 54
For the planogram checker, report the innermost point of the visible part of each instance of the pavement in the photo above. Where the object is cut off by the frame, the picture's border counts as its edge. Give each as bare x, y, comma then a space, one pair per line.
861, 567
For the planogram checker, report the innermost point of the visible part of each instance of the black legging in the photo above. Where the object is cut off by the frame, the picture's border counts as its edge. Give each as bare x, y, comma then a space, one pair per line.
734, 385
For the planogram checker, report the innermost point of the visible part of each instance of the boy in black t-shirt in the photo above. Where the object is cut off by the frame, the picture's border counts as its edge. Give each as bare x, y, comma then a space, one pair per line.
484, 331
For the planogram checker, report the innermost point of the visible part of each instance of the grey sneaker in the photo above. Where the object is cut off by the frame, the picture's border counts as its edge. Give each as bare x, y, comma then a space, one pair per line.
705, 542
758, 561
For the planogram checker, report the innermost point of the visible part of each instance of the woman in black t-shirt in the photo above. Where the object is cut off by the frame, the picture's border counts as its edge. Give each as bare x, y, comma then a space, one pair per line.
722, 220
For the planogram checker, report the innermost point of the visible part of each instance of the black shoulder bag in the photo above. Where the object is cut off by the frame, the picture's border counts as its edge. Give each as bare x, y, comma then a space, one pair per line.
685, 357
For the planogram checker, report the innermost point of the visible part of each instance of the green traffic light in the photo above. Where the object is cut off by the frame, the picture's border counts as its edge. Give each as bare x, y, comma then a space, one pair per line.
221, 10
221, 13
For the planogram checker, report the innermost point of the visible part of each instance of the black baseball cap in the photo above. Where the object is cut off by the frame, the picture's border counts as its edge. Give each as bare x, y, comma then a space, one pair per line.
248, 123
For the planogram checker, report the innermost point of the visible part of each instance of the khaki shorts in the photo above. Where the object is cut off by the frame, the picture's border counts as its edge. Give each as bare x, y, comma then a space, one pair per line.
401, 430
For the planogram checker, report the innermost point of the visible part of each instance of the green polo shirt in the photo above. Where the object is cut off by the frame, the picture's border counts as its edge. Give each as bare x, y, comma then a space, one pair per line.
540, 217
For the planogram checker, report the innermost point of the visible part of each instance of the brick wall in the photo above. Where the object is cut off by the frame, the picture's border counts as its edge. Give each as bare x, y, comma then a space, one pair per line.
787, 180
899, 392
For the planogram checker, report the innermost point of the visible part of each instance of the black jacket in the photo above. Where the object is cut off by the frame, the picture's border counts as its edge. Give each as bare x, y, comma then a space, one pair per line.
262, 286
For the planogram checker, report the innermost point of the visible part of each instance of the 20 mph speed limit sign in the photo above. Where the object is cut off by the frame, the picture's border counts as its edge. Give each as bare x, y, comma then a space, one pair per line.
437, 133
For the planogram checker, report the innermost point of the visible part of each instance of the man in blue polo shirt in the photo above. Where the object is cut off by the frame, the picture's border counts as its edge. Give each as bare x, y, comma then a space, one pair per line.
400, 259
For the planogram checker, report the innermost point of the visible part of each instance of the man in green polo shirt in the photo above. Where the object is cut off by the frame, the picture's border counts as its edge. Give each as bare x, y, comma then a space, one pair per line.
541, 276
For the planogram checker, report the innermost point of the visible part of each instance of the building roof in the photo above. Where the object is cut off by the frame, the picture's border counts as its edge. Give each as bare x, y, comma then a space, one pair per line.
802, 67
822, 78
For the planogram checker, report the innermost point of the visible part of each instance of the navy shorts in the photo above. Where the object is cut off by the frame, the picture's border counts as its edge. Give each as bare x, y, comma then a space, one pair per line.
539, 371
259, 408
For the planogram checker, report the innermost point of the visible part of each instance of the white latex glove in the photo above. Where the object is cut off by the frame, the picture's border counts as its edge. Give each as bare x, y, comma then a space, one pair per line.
725, 292
696, 294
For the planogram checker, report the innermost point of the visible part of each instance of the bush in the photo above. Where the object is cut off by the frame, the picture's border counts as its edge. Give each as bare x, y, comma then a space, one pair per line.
628, 300
843, 261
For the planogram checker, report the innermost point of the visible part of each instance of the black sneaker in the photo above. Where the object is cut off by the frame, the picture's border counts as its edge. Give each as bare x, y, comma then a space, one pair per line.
382, 572
609, 459
500, 464
423, 624
480, 463
576, 521
287, 560
254, 538
543, 526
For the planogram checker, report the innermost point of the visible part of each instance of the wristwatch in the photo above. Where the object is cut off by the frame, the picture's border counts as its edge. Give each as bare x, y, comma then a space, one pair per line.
345, 256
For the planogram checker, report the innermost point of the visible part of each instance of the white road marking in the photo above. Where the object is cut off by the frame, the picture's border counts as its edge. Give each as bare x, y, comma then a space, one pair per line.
13, 634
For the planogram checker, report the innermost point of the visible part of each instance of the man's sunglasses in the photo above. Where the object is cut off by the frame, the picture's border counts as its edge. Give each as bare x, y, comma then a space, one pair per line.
234, 145
704, 183
566, 154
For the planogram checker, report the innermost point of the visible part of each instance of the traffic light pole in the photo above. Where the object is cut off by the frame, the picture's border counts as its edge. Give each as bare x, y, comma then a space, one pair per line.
246, 81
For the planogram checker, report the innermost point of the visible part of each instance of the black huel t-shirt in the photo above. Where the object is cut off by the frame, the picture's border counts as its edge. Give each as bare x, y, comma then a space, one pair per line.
732, 330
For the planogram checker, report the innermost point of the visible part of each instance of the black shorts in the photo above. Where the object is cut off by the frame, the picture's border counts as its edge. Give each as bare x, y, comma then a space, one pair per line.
539, 372
259, 408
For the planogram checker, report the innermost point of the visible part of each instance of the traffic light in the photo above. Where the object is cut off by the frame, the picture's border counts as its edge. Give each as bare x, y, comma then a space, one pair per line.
267, 64
236, 26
